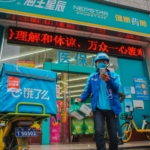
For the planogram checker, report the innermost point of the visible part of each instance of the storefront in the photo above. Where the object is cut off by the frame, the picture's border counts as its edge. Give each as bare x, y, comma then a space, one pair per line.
69, 49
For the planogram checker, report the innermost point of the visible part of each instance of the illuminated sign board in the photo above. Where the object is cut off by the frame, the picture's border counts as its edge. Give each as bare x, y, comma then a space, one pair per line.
82, 12
51, 23
70, 42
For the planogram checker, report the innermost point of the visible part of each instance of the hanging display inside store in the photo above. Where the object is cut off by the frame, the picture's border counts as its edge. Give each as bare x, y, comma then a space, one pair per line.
25, 63
75, 43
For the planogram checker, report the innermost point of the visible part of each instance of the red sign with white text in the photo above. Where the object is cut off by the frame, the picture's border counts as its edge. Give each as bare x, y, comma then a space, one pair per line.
13, 84
74, 43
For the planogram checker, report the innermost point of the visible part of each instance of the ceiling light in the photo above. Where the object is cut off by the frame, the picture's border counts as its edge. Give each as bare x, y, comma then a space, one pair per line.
63, 82
74, 86
80, 85
76, 91
75, 79
78, 79
38, 66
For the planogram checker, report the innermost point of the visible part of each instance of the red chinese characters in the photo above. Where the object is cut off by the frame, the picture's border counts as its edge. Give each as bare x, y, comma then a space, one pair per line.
57, 40
140, 52
66, 41
11, 34
62, 24
46, 38
94, 45
21, 35
34, 37
25, 36
103, 47
35, 20
70, 42
131, 51
123, 50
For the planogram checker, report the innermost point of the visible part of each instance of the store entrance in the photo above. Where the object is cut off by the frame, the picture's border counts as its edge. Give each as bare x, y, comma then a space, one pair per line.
71, 86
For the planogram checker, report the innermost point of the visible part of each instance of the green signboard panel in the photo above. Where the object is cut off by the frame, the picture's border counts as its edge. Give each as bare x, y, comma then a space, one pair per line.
83, 12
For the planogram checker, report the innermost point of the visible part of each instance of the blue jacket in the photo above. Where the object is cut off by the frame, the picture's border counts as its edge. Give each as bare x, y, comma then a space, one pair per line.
93, 87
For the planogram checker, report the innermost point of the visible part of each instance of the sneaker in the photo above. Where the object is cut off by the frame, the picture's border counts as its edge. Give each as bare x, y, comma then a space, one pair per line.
120, 142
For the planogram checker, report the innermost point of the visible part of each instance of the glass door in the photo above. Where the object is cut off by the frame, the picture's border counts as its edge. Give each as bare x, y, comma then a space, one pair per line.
71, 86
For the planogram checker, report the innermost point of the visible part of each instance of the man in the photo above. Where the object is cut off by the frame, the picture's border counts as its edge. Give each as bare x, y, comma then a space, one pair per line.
104, 87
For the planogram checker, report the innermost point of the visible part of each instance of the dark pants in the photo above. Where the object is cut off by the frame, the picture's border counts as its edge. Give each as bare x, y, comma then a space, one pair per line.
99, 117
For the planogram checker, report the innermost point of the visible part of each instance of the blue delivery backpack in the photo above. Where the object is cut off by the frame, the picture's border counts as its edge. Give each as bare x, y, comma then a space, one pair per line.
27, 85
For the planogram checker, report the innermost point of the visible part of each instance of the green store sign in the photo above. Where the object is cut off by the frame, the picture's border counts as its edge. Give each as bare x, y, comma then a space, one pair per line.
83, 12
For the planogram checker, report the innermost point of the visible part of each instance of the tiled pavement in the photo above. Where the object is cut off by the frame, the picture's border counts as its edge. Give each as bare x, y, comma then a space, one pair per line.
143, 145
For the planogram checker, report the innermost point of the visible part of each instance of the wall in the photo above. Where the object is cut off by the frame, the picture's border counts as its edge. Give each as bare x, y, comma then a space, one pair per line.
140, 4
128, 69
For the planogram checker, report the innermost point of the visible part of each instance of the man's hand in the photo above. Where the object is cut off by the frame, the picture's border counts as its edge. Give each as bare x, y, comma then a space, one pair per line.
104, 77
78, 99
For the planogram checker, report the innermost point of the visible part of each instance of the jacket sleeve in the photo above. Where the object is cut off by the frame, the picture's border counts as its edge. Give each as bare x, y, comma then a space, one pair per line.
87, 90
114, 84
